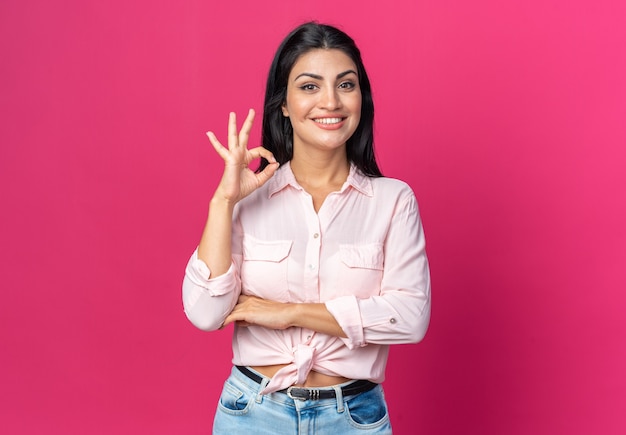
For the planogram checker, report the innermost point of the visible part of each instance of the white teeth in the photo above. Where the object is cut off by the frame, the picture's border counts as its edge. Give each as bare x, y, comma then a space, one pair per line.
328, 120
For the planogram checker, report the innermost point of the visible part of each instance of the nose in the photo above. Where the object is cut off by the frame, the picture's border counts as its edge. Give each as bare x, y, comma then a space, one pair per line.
330, 99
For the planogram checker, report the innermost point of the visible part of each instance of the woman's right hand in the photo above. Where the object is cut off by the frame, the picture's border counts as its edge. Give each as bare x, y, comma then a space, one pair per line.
238, 180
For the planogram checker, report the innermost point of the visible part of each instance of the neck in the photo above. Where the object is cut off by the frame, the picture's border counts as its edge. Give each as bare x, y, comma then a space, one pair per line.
320, 170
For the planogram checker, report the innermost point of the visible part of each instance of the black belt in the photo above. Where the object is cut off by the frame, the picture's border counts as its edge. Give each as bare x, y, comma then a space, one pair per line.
355, 387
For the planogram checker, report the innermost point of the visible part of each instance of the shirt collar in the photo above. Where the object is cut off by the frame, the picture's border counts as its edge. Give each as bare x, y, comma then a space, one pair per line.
284, 177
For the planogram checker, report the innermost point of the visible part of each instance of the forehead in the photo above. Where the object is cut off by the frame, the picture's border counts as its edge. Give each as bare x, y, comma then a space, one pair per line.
322, 62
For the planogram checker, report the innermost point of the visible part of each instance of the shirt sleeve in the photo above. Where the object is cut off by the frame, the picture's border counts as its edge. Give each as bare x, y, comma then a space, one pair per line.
207, 301
401, 312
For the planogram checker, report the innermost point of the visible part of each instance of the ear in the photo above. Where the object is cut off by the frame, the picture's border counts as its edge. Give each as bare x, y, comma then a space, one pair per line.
285, 111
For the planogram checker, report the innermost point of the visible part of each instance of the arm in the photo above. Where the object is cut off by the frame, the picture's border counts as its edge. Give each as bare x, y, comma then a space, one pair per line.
238, 181
278, 315
211, 285
401, 312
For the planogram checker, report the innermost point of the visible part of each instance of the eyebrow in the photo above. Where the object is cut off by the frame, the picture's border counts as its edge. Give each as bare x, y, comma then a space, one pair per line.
318, 77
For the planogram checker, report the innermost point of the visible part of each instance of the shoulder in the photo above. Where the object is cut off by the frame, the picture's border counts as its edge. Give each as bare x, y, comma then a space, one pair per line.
385, 186
394, 194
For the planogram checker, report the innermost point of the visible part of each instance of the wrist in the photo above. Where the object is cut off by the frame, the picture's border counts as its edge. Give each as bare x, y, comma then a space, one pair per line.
294, 313
220, 202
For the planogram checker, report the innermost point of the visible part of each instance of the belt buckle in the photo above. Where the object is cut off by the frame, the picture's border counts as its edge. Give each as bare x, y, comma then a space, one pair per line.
291, 396
302, 393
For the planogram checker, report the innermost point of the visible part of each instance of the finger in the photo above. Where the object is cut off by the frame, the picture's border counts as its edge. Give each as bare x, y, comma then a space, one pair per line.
257, 152
267, 173
244, 134
234, 318
233, 138
217, 145
228, 320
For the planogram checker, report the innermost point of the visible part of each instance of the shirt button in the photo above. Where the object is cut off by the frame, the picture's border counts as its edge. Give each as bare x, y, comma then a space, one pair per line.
392, 320
316, 235
311, 266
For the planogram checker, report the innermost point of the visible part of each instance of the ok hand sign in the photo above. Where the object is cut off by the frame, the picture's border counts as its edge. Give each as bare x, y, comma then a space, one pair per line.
238, 180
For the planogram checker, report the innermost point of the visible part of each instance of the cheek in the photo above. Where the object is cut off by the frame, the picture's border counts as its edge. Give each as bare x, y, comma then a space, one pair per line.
295, 108
356, 104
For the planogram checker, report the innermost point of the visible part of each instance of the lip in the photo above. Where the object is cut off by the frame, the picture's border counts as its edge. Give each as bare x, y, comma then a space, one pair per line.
329, 126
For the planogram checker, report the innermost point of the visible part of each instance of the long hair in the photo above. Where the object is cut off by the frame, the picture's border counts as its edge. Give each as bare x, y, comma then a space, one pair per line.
277, 133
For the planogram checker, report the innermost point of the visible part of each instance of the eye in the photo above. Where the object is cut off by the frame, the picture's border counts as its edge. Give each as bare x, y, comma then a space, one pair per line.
308, 87
347, 85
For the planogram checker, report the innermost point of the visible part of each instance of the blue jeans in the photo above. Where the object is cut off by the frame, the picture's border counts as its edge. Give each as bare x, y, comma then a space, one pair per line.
242, 410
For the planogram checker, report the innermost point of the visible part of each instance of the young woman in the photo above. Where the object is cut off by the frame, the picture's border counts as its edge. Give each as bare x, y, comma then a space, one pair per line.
316, 258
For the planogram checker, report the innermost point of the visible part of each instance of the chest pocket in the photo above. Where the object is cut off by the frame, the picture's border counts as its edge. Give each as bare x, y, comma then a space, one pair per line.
264, 269
361, 269
368, 256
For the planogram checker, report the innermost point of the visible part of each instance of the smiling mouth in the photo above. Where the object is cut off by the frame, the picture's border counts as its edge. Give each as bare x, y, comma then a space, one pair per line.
328, 121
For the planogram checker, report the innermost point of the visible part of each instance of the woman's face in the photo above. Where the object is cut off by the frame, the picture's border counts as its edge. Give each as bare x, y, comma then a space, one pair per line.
323, 100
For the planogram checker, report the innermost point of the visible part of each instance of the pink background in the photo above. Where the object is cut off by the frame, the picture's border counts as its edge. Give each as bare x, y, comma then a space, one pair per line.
506, 117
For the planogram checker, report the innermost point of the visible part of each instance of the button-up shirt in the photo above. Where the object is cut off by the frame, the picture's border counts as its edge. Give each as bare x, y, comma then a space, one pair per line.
362, 255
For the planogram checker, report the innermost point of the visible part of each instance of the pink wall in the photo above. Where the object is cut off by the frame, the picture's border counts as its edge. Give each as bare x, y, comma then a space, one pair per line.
506, 117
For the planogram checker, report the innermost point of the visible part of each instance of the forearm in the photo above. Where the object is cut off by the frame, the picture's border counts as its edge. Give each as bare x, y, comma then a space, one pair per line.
316, 317
251, 310
215, 245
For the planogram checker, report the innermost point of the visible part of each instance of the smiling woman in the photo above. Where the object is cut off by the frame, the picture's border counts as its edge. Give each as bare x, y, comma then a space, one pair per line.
323, 93
317, 259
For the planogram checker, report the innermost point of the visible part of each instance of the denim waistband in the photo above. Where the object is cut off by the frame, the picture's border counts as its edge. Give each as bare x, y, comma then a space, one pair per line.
309, 393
